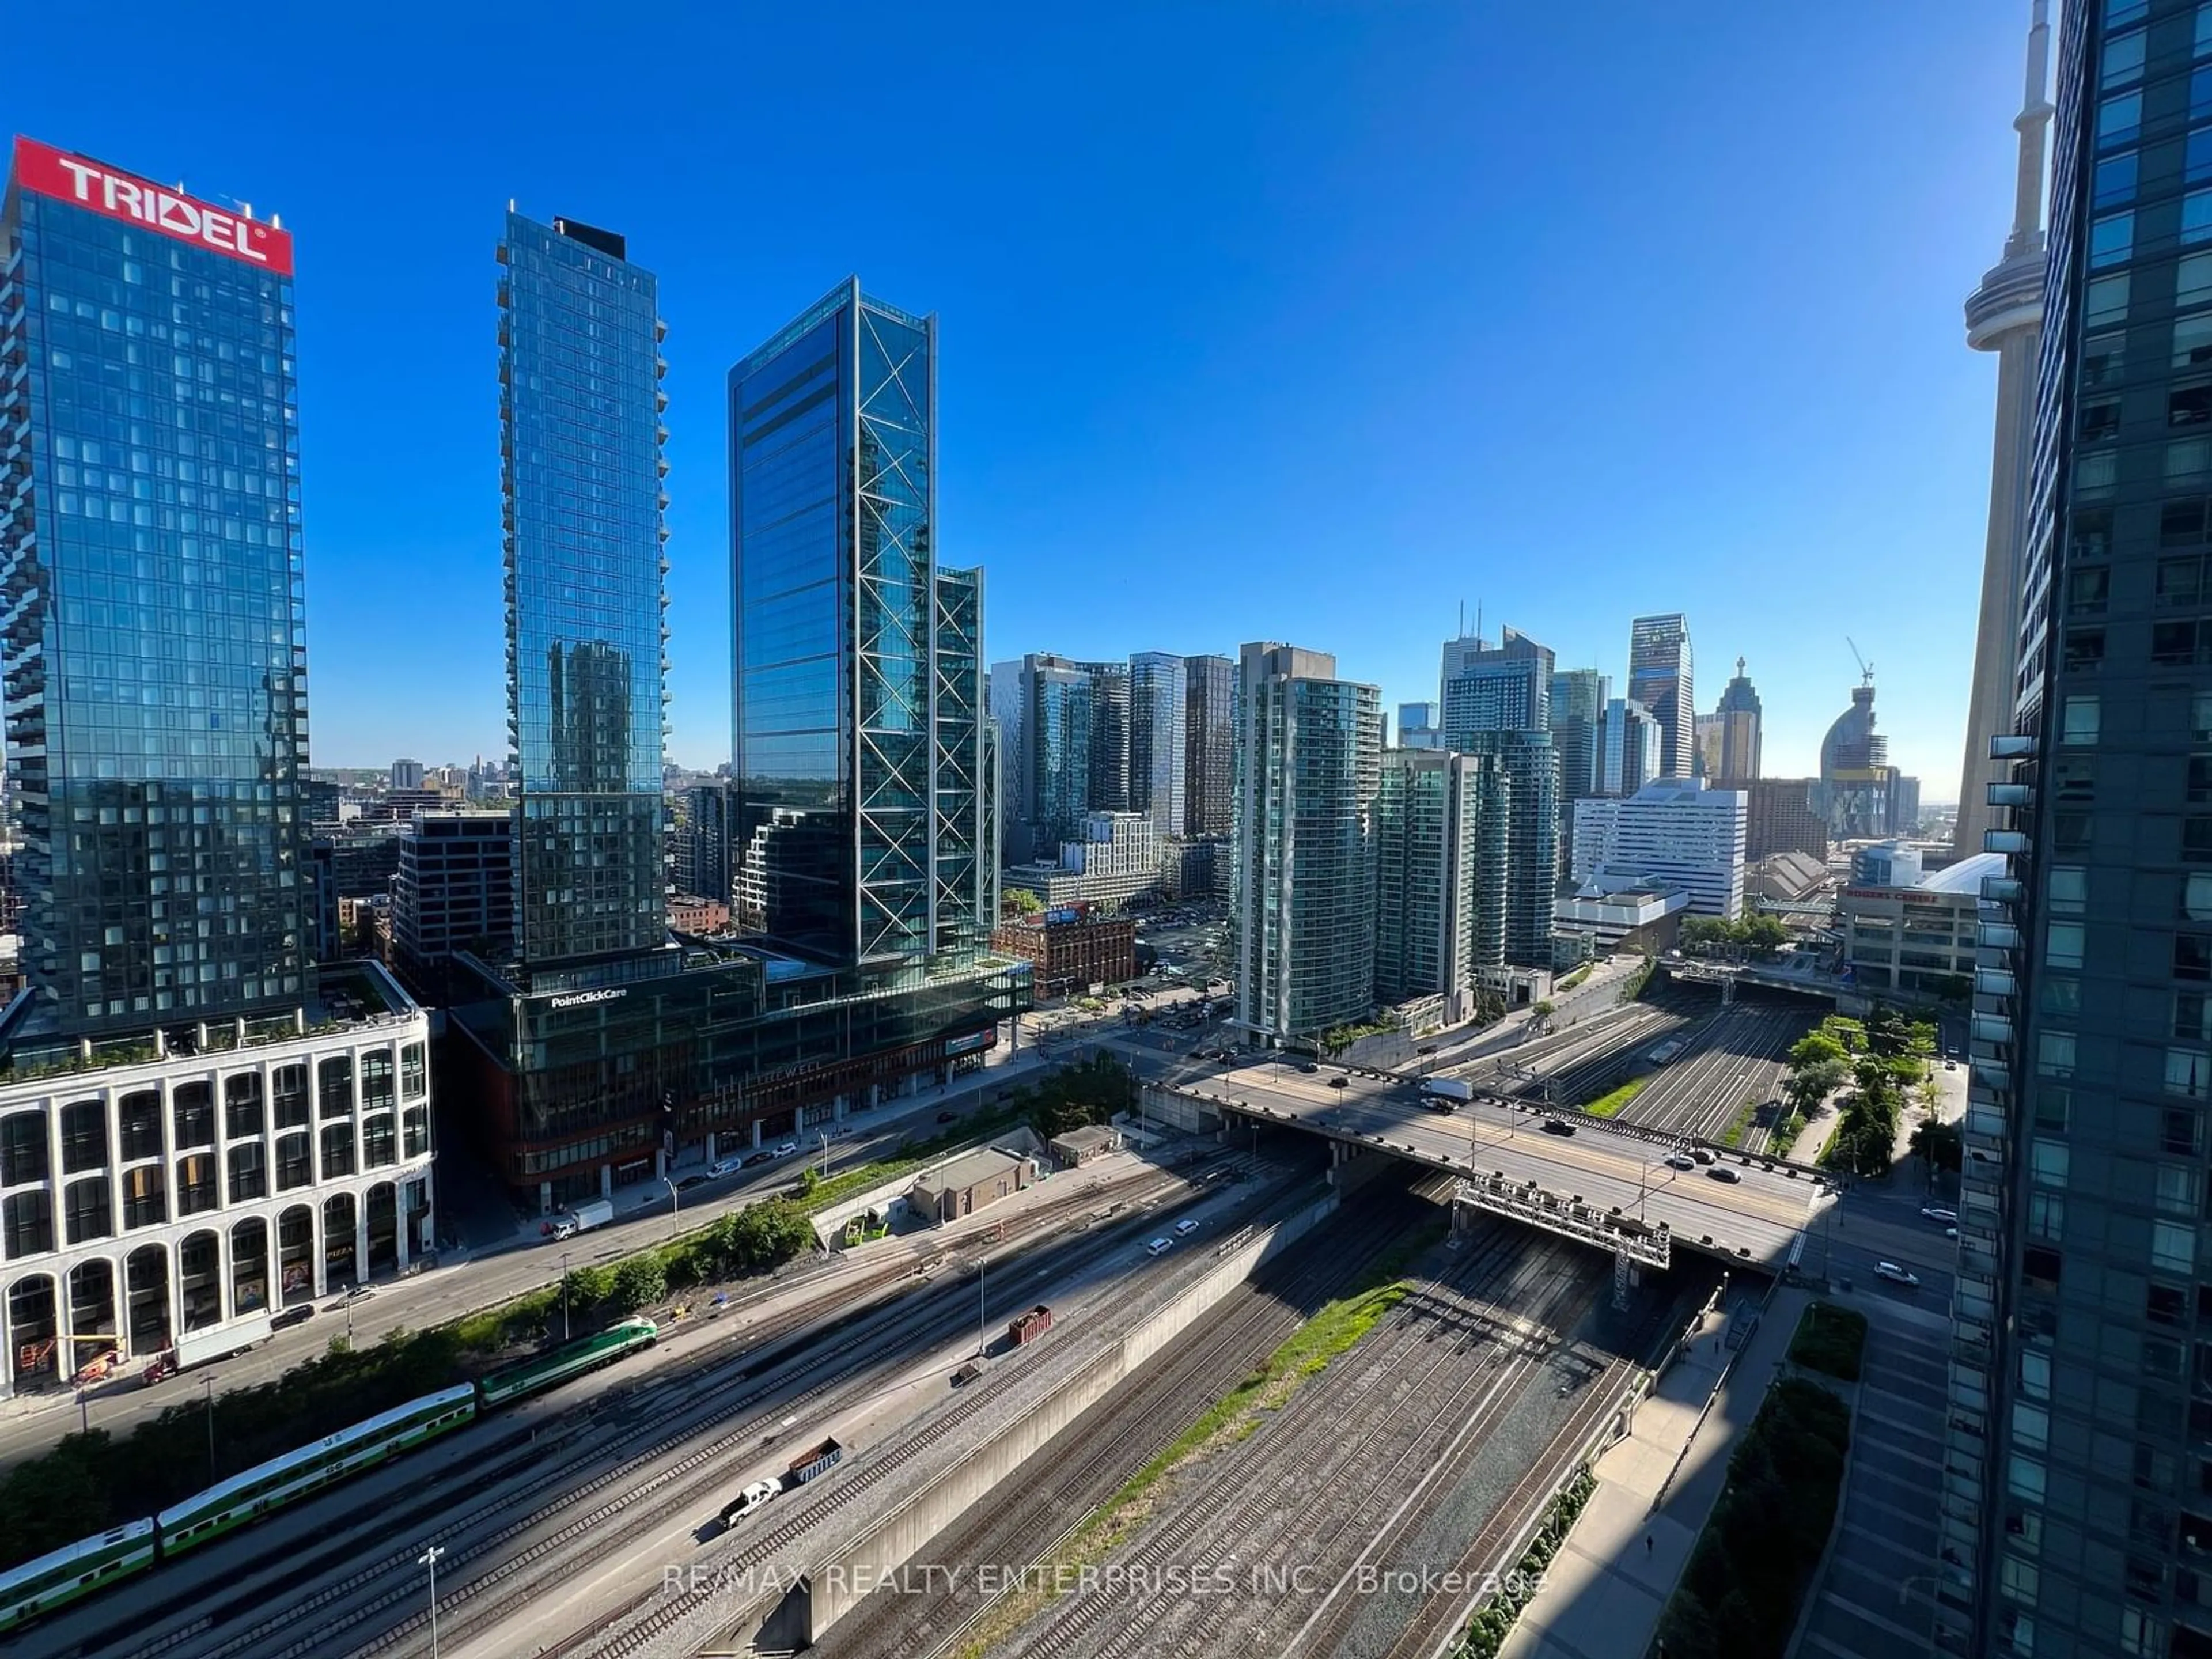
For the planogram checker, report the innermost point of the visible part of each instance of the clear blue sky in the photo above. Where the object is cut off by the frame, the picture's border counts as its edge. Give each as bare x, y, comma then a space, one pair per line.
1288, 321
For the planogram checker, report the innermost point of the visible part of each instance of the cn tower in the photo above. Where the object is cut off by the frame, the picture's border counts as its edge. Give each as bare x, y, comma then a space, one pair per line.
2005, 315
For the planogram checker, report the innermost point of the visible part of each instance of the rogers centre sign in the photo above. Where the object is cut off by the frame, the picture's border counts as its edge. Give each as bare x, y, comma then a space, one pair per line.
113, 195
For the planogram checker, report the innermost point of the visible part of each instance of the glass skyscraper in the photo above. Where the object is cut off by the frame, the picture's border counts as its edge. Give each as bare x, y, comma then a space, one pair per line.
1309, 760
859, 685
1660, 677
2076, 1487
1158, 745
156, 628
1501, 687
1210, 740
581, 471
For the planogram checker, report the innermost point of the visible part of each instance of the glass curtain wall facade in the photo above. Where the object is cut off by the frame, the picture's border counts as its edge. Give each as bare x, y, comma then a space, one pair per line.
1159, 743
581, 471
156, 632
1507, 687
1056, 710
1532, 774
2077, 1498
1210, 737
860, 819
964, 869
1309, 757
1579, 696
1109, 736
1441, 822
1660, 677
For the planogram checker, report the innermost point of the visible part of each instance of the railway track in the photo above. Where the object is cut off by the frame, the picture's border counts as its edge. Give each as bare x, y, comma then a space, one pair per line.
1086, 1465
1384, 1406
1738, 1056
206, 1621
640, 1622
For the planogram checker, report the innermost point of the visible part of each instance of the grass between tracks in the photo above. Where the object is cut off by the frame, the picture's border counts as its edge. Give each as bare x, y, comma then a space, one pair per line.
1333, 1330
1740, 1125
1608, 1105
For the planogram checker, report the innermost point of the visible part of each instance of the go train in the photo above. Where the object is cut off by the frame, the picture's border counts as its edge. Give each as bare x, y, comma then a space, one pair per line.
79, 1569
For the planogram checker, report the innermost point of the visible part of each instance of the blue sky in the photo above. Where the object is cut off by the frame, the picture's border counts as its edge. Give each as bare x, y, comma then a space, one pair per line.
1302, 322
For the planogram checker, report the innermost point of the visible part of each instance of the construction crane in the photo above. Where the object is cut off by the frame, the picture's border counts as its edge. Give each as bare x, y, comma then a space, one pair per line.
1866, 668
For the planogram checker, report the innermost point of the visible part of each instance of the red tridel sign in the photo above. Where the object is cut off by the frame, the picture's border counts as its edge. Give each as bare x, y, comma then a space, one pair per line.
113, 195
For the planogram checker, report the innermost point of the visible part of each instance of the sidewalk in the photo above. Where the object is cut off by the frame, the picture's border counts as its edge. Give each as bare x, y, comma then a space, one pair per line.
1604, 1590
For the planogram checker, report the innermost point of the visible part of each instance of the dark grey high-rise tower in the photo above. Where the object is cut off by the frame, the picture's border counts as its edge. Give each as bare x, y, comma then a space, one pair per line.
859, 687
155, 643
2076, 1485
1659, 677
580, 469
1210, 733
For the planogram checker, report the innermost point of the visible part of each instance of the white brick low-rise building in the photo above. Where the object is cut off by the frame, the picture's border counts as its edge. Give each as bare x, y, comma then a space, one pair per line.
146, 1193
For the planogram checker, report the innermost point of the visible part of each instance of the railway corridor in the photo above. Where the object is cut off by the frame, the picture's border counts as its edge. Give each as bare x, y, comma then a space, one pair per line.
1355, 1514
1740, 1054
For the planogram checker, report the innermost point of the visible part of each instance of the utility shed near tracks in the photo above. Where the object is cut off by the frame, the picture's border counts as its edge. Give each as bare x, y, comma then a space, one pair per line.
1078, 1147
967, 1184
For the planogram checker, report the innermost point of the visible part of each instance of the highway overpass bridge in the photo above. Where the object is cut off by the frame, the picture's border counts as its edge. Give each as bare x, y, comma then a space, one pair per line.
1609, 1184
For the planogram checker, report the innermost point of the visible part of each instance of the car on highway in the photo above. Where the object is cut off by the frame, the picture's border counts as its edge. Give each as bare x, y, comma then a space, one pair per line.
1159, 1247
1185, 1227
1345, 1082
1937, 1213
752, 1497
1896, 1275
1558, 1126
358, 1293
1681, 1161
726, 1166
291, 1316
947, 1117
786, 1149
1308, 1066
1701, 1154
761, 1156
1722, 1172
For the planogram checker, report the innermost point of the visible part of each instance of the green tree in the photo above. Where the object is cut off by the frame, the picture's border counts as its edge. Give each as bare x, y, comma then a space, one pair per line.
1815, 1049
1543, 1009
1019, 901
639, 1282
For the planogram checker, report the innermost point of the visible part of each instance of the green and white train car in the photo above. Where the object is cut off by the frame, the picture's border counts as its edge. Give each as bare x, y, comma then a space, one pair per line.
571, 1359
245, 1498
38, 1587
55, 1580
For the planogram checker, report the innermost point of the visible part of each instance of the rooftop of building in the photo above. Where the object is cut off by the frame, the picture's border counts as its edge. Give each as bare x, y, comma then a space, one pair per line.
1087, 1136
348, 995
1966, 875
969, 1170
1799, 869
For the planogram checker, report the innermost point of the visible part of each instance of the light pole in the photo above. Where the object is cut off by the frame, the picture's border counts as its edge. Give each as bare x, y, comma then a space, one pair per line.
823, 1137
430, 1558
564, 1296
209, 1383
675, 1208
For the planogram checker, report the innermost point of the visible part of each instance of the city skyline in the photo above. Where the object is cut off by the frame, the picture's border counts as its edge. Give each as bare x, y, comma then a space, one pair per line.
1022, 498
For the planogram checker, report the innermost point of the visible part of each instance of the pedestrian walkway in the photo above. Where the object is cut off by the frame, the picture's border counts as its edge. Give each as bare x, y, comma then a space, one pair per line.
1604, 1591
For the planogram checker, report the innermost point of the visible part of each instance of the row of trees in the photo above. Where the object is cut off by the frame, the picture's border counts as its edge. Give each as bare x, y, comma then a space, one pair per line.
1761, 936
1884, 1060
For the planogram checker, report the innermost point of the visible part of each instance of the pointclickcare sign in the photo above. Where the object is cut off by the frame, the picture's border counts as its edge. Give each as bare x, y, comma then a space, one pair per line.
113, 195
585, 999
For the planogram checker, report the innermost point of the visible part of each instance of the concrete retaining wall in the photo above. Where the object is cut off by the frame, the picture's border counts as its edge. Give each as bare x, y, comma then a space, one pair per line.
832, 1587
1191, 1116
